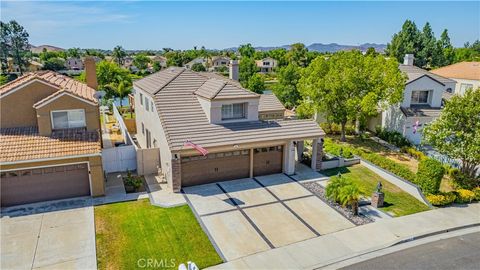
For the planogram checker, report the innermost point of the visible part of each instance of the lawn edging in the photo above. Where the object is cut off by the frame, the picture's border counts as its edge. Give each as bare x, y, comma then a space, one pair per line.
403, 184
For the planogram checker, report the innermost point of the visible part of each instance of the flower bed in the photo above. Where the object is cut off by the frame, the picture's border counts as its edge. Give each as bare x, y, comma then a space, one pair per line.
317, 189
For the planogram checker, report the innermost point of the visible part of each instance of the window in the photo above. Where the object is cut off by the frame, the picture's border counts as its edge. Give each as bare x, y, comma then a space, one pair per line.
68, 119
141, 99
147, 108
151, 105
266, 63
233, 111
464, 87
143, 129
419, 97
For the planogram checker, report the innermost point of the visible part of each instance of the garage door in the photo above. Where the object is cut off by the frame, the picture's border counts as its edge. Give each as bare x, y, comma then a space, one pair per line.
42, 184
215, 167
267, 160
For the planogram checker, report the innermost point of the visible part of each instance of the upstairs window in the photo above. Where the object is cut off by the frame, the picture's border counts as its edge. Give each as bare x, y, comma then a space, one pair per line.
419, 97
68, 119
141, 99
233, 111
147, 108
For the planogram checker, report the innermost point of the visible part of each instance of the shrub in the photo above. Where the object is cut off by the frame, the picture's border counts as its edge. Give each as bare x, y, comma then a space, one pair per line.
463, 181
418, 155
336, 149
442, 199
133, 181
335, 185
477, 193
464, 196
344, 192
336, 129
429, 175
393, 137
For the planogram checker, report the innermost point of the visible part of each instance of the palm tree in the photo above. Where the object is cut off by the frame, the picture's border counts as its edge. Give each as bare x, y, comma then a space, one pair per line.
349, 195
334, 186
119, 55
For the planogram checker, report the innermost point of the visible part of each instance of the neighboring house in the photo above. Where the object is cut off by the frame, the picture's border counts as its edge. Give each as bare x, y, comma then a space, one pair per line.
266, 65
74, 63
199, 60
49, 138
32, 66
176, 106
270, 107
219, 62
422, 102
465, 74
160, 59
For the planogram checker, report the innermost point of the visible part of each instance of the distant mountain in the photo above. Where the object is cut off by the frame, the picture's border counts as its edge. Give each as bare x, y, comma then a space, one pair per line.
320, 47
50, 48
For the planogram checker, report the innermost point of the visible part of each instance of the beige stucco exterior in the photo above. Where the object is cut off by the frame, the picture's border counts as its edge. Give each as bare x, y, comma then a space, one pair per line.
67, 102
94, 163
17, 107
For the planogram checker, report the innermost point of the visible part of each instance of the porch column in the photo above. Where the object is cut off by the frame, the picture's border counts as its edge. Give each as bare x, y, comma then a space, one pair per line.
289, 158
300, 148
251, 163
317, 154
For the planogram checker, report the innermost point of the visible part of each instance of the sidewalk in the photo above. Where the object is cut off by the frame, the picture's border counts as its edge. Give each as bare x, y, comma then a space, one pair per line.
324, 250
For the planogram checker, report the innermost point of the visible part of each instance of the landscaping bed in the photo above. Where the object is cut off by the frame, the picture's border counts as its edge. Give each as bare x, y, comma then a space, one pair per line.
129, 233
346, 212
397, 201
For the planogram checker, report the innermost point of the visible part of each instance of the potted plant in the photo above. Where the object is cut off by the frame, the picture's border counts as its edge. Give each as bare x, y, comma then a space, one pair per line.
132, 183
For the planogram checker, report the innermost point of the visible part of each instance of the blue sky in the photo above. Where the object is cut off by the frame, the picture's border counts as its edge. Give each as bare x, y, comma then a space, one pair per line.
182, 25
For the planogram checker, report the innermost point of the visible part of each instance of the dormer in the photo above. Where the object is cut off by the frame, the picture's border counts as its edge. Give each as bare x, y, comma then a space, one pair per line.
225, 102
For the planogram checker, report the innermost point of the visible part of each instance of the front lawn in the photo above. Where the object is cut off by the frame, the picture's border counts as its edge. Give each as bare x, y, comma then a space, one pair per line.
397, 201
128, 234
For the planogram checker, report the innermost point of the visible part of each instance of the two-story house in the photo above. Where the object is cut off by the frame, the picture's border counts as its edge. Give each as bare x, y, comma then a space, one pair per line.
266, 65
198, 60
50, 145
184, 113
74, 63
465, 74
421, 104
219, 62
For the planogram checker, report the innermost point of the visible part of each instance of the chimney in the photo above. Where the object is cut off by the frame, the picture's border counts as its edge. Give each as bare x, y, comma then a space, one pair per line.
233, 70
408, 59
90, 72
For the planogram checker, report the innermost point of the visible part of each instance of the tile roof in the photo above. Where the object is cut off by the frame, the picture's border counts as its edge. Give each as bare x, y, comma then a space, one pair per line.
414, 73
270, 102
24, 143
183, 118
421, 111
61, 81
222, 89
462, 70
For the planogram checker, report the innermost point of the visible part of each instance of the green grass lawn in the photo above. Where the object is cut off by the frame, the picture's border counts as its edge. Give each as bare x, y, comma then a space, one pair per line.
131, 231
397, 201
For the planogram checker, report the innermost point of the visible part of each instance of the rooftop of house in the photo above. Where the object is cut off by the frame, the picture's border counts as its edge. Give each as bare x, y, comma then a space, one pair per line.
269, 102
24, 143
462, 70
175, 93
63, 83
421, 111
414, 73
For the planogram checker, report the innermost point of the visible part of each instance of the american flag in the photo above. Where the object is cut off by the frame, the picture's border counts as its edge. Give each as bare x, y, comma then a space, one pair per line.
200, 149
415, 127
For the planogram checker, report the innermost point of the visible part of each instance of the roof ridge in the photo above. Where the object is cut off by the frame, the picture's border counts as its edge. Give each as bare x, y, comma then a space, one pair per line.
224, 83
169, 81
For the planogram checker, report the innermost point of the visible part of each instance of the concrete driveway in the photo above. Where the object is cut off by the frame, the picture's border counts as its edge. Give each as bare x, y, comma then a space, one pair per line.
247, 216
60, 237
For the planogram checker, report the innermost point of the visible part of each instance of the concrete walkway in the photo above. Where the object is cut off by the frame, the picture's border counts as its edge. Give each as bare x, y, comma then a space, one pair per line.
325, 250
159, 194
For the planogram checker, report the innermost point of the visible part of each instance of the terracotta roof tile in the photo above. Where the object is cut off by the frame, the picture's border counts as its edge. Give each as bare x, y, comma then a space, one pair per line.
462, 70
24, 143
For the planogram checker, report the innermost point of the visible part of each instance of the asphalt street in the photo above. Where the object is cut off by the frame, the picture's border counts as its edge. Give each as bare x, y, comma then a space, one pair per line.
461, 252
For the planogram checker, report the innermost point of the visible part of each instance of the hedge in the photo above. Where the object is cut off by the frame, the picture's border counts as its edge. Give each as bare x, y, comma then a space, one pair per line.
464, 196
442, 199
429, 175
393, 137
336, 149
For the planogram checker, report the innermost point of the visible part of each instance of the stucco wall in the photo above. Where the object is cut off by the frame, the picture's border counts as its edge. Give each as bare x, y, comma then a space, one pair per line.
66, 102
424, 83
151, 120
17, 108
475, 83
95, 163
216, 110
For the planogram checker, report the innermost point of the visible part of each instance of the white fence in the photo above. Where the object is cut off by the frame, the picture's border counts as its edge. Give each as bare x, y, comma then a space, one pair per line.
119, 159
123, 128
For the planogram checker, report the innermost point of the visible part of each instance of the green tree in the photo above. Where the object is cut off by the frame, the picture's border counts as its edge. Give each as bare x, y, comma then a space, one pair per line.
141, 61
54, 63
335, 185
19, 46
174, 58
256, 83
349, 86
456, 133
247, 68
119, 55
407, 41
119, 90
74, 52
279, 55
246, 50
371, 51
198, 67
109, 73
297, 54
428, 54
157, 66
349, 195
286, 88
447, 50
5, 43
3, 79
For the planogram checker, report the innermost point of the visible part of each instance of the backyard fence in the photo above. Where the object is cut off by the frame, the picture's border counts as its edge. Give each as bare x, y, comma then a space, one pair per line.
119, 159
